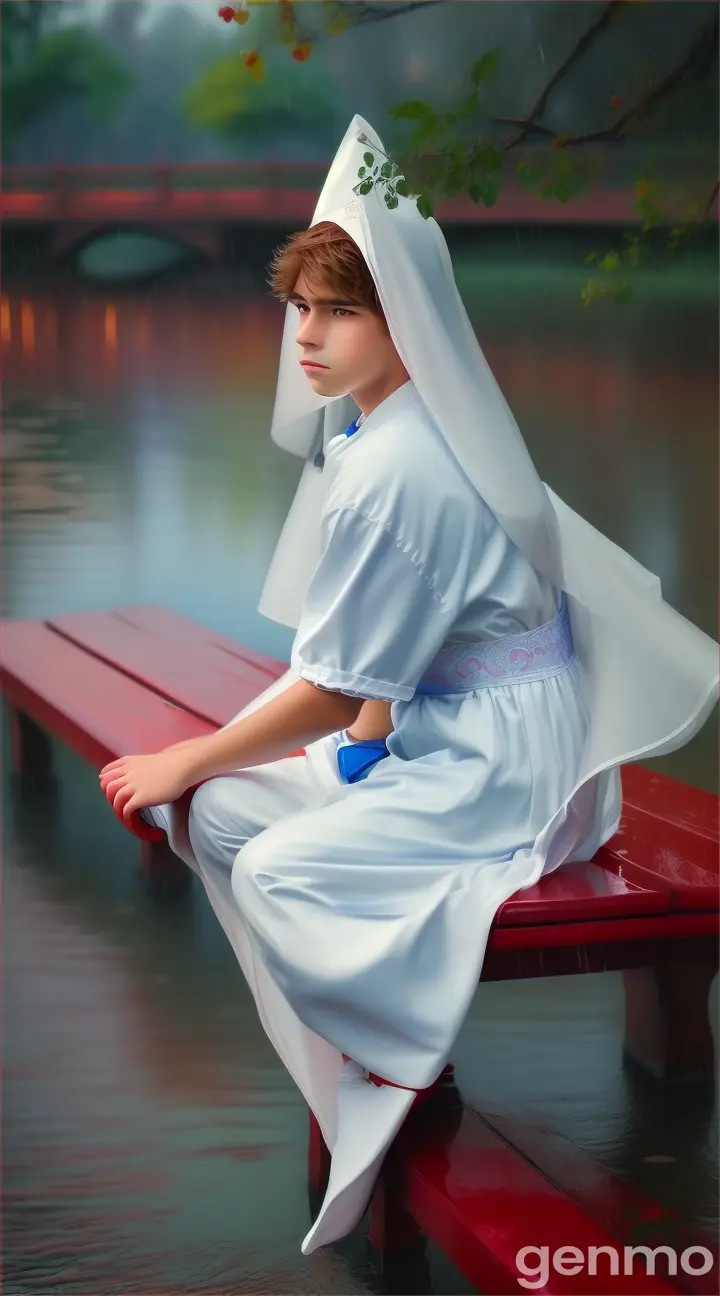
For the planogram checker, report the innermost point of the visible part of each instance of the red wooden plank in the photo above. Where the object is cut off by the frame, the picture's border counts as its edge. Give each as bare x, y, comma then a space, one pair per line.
614, 955
174, 625
98, 712
577, 891
671, 801
671, 926
631, 1217
190, 670
660, 854
482, 1204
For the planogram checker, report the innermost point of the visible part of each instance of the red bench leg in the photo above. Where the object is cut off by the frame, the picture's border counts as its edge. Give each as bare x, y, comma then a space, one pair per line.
318, 1165
397, 1247
391, 1227
31, 753
163, 869
667, 1021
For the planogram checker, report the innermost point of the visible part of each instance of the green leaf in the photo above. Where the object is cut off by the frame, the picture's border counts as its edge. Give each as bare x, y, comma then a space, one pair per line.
484, 68
386, 170
390, 200
361, 172
455, 181
610, 262
489, 190
424, 206
469, 105
402, 187
411, 109
365, 187
490, 158
433, 169
420, 134
475, 192
369, 159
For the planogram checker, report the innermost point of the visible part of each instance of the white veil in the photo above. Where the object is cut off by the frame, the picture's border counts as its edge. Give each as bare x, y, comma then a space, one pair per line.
652, 677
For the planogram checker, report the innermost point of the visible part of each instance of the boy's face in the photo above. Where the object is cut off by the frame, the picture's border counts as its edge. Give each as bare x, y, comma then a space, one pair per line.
349, 345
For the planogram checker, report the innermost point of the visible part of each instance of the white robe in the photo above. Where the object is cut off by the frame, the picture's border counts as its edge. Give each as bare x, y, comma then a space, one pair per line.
360, 916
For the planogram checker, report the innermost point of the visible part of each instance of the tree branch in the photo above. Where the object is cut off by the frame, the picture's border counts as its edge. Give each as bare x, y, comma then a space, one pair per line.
576, 53
711, 201
528, 128
365, 13
698, 58
358, 13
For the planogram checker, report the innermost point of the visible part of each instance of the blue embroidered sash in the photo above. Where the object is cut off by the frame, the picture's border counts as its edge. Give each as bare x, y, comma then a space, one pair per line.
531, 655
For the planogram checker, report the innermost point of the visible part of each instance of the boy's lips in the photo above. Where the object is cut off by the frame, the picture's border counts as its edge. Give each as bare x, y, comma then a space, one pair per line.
311, 364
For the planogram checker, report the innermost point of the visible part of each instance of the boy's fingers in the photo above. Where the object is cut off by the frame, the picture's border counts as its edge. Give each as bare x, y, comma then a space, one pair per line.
129, 809
110, 769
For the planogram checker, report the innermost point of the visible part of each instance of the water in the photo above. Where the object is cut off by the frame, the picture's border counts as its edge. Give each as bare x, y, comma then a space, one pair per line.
152, 1140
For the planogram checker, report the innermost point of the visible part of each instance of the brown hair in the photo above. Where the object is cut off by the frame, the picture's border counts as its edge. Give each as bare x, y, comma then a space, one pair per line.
326, 255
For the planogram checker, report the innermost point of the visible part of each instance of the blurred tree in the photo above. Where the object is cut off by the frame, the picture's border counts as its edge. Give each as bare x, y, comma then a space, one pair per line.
248, 95
46, 62
462, 147
227, 100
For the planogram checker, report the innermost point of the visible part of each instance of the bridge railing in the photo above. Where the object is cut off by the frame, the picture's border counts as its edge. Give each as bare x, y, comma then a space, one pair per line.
163, 179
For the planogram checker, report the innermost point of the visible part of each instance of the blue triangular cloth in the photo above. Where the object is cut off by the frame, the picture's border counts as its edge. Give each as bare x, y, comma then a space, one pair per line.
357, 759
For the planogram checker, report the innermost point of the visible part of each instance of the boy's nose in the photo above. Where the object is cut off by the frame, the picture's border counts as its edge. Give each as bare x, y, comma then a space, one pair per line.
308, 330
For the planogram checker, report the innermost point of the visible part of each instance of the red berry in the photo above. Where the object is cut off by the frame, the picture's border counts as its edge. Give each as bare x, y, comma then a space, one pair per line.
226, 13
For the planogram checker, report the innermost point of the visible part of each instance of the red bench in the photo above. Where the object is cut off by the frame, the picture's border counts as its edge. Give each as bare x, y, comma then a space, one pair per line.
484, 1186
140, 678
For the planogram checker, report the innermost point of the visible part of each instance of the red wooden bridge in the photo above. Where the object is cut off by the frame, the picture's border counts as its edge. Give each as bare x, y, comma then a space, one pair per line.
208, 194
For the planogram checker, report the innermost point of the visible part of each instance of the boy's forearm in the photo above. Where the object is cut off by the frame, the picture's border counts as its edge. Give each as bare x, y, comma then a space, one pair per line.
298, 716
374, 721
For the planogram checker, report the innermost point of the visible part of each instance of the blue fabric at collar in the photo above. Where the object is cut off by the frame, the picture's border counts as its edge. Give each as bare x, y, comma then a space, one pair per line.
353, 428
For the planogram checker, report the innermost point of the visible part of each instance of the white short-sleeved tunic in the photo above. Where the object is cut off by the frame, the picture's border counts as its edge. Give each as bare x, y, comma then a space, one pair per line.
372, 913
361, 923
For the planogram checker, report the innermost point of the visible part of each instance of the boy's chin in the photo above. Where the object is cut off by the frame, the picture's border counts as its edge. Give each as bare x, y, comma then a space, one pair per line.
325, 384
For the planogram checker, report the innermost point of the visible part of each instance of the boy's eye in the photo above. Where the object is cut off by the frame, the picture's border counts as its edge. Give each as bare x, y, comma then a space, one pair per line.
303, 308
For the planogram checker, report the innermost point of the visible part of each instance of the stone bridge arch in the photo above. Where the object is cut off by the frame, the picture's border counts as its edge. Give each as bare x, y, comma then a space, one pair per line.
69, 237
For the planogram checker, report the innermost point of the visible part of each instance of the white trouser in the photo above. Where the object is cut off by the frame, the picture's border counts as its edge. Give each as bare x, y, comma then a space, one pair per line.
357, 1119
228, 810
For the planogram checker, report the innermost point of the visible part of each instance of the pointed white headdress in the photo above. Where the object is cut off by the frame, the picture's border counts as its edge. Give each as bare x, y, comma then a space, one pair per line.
633, 644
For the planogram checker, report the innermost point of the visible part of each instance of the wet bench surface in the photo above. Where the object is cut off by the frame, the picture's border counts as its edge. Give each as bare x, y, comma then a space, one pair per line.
138, 678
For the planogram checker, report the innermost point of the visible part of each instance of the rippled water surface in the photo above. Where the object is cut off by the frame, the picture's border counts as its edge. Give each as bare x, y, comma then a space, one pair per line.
152, 1141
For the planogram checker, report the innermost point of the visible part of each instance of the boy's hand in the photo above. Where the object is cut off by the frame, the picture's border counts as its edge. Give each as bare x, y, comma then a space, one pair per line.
133, 782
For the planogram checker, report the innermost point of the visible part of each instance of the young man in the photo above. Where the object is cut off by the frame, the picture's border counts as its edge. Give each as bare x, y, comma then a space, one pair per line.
472, 664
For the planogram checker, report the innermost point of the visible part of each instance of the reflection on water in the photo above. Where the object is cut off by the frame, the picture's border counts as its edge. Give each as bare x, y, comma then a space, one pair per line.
152, 1140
